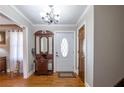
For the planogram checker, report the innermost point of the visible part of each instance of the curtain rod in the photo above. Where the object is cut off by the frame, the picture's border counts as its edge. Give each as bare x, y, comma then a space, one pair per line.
10, 26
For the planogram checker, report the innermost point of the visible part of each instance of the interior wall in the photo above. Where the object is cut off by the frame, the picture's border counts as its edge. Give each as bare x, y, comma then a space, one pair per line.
54, 28
87, 19
5, 20
17, 17
109, 45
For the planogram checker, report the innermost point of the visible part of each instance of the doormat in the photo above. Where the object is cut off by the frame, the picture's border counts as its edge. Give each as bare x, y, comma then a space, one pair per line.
66, 75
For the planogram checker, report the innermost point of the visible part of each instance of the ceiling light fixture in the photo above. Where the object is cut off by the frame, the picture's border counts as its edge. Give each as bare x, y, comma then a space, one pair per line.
50, 17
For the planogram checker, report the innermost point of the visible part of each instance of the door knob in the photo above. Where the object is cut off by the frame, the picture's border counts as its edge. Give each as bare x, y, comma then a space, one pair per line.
57, 54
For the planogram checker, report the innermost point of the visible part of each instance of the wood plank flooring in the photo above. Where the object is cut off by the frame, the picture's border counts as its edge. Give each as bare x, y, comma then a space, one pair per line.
40, 81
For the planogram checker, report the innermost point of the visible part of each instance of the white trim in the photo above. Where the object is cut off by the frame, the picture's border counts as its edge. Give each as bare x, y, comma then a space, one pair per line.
12, 6
57, 25
29, 74
25, 52
87, 85
55, 47
54, 70
83, 14
75, 51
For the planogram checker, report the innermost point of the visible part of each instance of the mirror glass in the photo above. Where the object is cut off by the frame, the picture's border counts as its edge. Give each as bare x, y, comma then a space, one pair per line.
43, 44
50, 45
37, 45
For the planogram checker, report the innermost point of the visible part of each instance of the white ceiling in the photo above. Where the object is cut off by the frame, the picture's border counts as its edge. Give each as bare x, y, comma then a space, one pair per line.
69, 13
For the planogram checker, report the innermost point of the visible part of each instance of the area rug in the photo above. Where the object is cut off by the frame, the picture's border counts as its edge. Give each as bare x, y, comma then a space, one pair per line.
66, 75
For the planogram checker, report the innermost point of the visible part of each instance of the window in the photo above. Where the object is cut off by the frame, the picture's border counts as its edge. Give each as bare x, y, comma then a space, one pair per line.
64, 47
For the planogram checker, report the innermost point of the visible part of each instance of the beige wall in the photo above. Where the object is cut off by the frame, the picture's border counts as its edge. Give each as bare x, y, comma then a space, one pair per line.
108, 45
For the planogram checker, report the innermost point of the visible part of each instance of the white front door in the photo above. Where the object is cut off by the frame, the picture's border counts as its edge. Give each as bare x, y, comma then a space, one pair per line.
64, 51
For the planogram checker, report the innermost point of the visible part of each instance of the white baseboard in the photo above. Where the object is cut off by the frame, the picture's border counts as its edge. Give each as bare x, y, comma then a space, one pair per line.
87, 85
76, 71
29, 74
8, 70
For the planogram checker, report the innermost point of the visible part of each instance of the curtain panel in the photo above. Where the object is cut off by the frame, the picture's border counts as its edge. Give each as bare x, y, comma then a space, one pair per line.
16, 51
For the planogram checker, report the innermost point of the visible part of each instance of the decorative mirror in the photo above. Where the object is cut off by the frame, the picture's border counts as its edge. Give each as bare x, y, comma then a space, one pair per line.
50, 45
37, 47
44, 48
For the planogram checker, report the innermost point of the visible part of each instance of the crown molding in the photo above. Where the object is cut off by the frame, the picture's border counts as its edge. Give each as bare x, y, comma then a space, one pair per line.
57, 25
12, 6
85, 11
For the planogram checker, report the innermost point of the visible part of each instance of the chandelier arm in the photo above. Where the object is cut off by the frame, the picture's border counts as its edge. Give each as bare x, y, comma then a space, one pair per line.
50, 17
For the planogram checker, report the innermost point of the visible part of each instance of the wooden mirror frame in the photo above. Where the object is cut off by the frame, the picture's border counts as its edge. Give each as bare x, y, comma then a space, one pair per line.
40, 44
46, 34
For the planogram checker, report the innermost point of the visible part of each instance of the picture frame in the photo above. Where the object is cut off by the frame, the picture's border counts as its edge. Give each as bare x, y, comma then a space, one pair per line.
2, 37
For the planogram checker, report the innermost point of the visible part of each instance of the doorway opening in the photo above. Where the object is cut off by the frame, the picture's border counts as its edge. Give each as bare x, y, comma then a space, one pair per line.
11, 50
81, 53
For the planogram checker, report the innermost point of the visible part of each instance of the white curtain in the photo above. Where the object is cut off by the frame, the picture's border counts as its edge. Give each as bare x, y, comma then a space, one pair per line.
16, 51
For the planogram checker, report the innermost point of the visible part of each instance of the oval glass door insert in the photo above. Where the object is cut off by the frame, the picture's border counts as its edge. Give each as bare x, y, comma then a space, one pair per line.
64, 47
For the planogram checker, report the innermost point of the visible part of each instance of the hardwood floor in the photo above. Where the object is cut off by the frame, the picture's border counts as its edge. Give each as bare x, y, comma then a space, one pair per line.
40, 81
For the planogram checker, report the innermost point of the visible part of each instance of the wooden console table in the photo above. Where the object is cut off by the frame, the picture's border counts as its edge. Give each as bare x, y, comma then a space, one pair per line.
3, 64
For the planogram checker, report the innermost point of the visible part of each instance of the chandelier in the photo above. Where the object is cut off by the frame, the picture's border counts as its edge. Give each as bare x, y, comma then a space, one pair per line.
50, 17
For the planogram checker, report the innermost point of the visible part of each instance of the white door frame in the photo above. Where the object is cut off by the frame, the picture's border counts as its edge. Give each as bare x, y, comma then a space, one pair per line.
83, 24
25, 53
55, 47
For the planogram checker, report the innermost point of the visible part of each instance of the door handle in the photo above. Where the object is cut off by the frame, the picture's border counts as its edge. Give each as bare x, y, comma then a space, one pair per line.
57, 54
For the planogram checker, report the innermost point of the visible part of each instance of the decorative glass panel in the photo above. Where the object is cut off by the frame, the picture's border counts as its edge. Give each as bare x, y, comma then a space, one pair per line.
43, 44
50, 45
37, 45
64, 47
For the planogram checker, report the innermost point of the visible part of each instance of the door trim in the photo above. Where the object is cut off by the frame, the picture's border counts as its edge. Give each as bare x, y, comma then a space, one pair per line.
79, 27
60, 31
